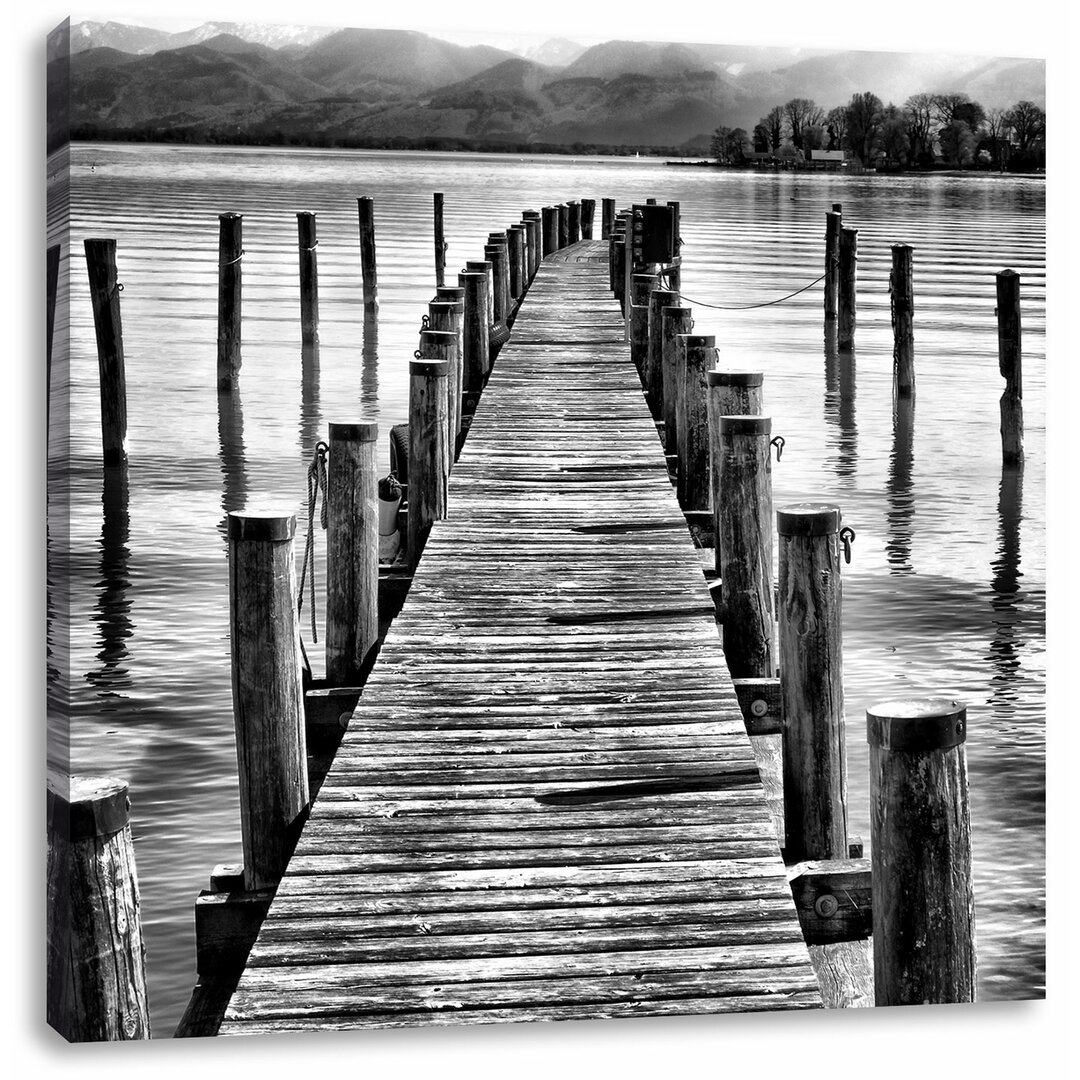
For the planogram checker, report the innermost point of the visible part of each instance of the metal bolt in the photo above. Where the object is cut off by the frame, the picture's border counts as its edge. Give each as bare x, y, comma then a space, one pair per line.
826, 905
759, 707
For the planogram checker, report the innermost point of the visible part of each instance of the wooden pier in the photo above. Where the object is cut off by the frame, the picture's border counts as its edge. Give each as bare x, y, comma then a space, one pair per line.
546, 804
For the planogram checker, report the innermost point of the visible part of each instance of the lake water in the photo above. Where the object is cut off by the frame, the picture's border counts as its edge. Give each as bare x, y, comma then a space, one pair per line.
945, 593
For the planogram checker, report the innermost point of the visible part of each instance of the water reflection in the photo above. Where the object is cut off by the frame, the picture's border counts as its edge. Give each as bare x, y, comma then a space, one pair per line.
369, 377
113, 615
900, 488
311, 423
234, 481
839, 406
1005, 593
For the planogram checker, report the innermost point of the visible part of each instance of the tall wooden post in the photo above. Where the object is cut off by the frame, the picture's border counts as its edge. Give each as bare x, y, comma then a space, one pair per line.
588, 210
515, 245
692, 420
564, 224
607, 218
812, 683
485, 265
832, 267
676, 322
845, 326
365, 207
440, 240
496, 255
1009, 363
640, 287
659, 299
618, 270
534, 242
427, 451
674, 271
268, 700
477, 339
742, 466
95, 978
573, 221
352, 551
442, 345
551, 229
105, 302
449, 315
309, 278
230, 254
920, 838
902, 294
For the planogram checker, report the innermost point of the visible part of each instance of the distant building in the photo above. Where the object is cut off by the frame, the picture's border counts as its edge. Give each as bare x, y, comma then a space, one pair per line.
825, 159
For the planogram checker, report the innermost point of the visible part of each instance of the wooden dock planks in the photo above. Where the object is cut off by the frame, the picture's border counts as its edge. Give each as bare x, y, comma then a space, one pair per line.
546, 805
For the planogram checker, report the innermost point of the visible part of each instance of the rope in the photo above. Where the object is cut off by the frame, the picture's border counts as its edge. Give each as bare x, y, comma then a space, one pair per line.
231, 261
316, 482
750, 307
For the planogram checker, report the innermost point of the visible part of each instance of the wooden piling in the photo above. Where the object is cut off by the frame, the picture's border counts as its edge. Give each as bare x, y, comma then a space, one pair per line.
440, 240
923, 900
673, 273
618, 270
534, 242
488, 270
441, 344
496, 255
676, 322
659, 299
515, 244
695, 358
450, 315
736, 393
1009, 363
573, 221
588, 211
230, 254
268, 703
95, 979
366, 216
476, 339
811, 682
564, 224
352, 551
105, 303
551, 229
309, 278
742, 514
902, 295
832, 266
607, 218
845, 325
640, 287
427, 451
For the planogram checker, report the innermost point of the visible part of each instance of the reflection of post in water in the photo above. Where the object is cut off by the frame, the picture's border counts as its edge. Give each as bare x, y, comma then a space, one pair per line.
1005, 587
369, 377
831, 400
840, 405
901, 499
57, 635
234, 483
113, 607
310, 416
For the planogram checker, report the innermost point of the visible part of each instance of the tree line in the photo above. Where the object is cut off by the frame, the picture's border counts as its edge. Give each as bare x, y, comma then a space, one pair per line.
926, 129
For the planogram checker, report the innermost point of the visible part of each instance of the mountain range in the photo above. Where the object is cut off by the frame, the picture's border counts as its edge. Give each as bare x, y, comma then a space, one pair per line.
233, 82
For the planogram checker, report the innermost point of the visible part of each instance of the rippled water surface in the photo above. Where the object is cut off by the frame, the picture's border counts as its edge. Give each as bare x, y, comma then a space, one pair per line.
945, 593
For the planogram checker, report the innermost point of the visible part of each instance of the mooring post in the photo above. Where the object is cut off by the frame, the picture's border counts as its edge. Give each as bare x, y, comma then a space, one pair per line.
352, 551
95, 979
496, 255
1009, 363
673, 273
655, 390
477, 342
105, 302
309, 278
902, 295
564, 224
366, 215
693, 482
268, 700
449, 315
588, 211
607, 218
676, 322
427, 451
832, 266
534, 242
920, 839
573, 221
515, 244
640, 287
618, 268
742, 465
845, 327
551, 229
631, 265
440, 240
436, 344
501, 267
812, 682
494, 330
230, 255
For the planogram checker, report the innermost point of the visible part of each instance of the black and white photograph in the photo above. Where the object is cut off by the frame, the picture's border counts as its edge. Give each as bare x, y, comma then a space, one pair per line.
546, 520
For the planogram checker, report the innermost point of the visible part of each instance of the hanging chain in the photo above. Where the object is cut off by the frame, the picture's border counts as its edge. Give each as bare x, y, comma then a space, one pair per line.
316, 483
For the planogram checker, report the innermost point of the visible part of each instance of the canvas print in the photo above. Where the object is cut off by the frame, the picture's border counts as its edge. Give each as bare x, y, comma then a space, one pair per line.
539, 529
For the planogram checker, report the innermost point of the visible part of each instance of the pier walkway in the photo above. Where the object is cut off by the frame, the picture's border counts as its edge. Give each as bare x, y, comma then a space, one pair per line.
546, 805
